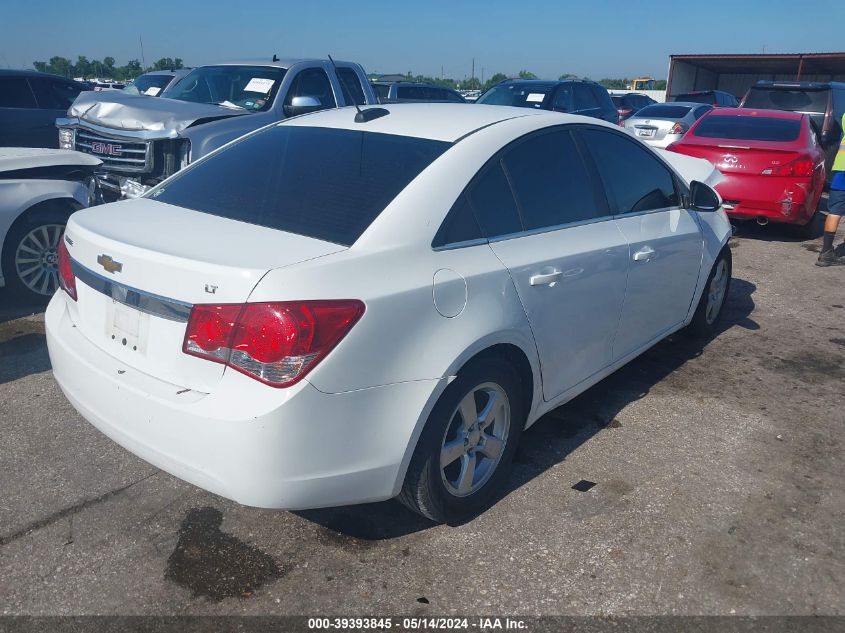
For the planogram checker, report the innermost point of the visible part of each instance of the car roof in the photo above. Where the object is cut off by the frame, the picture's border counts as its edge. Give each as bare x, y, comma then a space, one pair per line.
754, 112
812, 85
279, 63
33, 73
435, 121
547, 83
174, 71
409, 83
687, 104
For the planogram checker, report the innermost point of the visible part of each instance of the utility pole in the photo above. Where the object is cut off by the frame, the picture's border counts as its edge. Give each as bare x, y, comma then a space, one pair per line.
482, 75
143, 61
441, 72
472, 79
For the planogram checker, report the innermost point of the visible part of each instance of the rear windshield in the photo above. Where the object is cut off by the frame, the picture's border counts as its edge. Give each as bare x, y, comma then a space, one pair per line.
324, 183
520, 95
700, 97
663, 112
749, 128
808, 101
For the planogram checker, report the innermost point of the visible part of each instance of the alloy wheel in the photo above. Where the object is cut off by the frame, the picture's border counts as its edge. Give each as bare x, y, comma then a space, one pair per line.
475, 439
37, 261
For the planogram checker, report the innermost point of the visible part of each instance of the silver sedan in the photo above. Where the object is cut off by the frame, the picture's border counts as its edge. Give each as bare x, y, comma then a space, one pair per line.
661, 124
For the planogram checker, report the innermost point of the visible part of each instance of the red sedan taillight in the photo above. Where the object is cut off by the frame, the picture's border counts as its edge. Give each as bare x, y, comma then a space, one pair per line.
801, 167
276, 343
66, 279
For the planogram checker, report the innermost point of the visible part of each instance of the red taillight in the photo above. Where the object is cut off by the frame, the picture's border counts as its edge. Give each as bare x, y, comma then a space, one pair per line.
801, 167
678, 128
672, 147
276, 343
66, 279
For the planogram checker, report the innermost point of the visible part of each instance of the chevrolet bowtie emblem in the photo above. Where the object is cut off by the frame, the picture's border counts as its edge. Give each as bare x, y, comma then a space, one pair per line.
109, 264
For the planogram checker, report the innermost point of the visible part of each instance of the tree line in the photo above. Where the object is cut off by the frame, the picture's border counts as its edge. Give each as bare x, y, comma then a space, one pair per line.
474, 83
104, 69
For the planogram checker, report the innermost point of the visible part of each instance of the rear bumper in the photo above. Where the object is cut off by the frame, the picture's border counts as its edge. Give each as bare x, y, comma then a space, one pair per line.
773, 198
292, 448
664, 142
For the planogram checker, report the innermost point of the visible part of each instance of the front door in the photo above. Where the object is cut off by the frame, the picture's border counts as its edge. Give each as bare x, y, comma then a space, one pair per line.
665, 240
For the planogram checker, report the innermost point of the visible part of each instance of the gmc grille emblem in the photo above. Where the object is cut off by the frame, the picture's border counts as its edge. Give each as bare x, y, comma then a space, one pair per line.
106, 148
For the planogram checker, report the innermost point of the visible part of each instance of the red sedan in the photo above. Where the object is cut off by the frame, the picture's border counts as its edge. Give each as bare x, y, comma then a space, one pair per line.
771, 159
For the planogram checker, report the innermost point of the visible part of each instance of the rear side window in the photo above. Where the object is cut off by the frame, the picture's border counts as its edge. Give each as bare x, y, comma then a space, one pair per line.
493, 203
460, 225
661, 111
584, 98
748, 128
810, 101
15, 93
350, 86
52, 94
550, 182
411, 92
635, 180
324, 183
563, 98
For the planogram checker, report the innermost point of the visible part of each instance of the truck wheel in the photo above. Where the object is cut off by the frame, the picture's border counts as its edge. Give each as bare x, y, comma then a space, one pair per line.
29, 259
464, 454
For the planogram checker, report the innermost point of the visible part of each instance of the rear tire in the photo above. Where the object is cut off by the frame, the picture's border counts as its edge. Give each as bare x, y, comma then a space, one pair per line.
459, 463
807, 231
29, 260
711, 305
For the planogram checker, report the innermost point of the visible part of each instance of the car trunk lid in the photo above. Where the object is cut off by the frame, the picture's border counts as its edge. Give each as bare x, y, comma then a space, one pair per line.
732, 158
141, 265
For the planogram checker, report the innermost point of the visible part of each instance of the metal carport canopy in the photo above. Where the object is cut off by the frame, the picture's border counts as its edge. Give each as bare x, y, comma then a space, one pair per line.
737, 73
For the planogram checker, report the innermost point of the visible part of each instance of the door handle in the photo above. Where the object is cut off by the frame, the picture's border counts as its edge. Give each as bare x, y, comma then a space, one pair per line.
545, 279
644, 254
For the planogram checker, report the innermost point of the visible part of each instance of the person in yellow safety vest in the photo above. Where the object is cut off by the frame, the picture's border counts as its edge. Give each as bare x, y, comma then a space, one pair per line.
835, 208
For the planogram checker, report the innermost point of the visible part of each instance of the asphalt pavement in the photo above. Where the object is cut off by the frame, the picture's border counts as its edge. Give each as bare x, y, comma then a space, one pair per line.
718, 472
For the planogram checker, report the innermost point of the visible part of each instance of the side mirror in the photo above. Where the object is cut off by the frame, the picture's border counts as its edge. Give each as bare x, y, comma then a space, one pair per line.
703, 197
303, 105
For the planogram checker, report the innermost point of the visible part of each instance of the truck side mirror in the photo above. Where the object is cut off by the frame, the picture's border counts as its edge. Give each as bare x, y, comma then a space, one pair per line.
303, 105
703, 197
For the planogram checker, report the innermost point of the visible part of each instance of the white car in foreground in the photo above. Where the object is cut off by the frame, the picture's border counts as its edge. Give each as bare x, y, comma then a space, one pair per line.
39, 189
329, 312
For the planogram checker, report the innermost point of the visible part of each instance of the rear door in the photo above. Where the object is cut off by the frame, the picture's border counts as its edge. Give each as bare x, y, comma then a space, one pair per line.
54, 97
568, 260
664, 238
22, 124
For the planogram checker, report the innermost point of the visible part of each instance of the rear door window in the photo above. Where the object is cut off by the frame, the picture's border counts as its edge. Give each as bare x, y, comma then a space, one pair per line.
382, 91
350, 86
550, 182
54, 94
15, 93
325, 183
634, 179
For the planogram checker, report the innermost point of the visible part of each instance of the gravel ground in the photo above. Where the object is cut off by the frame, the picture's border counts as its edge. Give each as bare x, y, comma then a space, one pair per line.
719, 490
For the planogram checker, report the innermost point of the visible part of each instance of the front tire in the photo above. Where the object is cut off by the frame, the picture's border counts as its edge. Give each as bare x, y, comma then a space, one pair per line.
30, 260
708, 313
464, 454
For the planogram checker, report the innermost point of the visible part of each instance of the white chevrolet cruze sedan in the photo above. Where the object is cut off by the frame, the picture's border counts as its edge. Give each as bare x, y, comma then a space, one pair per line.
328, 312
